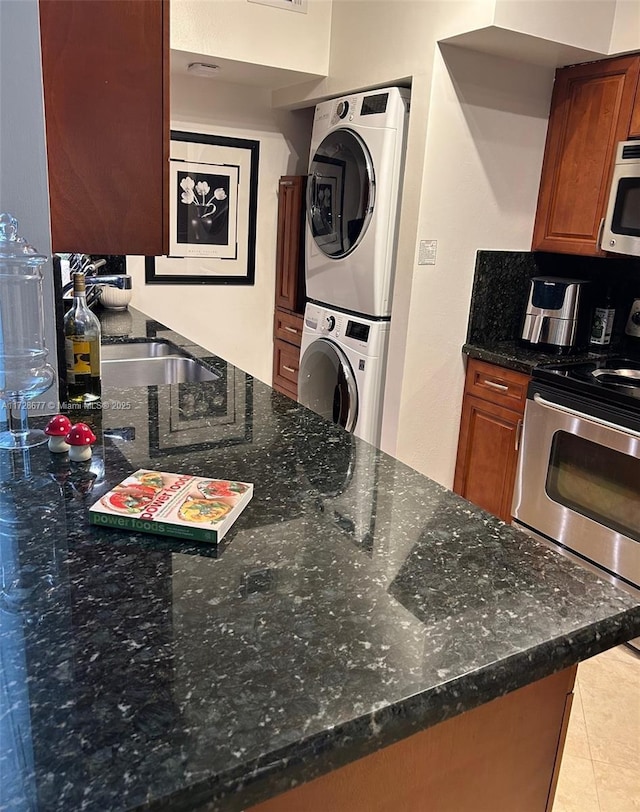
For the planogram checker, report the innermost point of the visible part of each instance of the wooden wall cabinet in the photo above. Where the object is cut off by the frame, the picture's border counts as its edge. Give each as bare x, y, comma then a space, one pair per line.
105, 67
290, 288
593, 107
490, 428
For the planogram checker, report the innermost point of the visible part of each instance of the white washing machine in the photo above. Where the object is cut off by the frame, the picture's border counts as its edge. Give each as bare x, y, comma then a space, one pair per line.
342, 368
355, 170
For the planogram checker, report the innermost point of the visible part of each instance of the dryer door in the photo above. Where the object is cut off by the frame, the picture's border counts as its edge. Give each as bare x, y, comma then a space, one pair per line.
340, 192
326, 383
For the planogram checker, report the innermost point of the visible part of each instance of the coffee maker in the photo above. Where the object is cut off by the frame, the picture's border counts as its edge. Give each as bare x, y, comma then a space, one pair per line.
557, 318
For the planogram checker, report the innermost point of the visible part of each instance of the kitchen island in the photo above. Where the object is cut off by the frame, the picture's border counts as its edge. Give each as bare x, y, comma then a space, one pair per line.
355, 607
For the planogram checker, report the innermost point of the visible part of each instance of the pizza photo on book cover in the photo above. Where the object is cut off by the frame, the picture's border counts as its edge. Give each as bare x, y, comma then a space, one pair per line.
178, 505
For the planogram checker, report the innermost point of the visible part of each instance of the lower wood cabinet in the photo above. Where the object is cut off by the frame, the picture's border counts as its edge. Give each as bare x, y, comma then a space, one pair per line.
503, 756
286, 352
490, 429
290, 287
286, 359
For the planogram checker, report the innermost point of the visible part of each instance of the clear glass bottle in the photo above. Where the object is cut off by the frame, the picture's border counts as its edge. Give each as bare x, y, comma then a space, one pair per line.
82, 348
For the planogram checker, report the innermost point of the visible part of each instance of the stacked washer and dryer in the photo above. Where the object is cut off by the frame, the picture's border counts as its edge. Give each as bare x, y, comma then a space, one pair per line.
353, 189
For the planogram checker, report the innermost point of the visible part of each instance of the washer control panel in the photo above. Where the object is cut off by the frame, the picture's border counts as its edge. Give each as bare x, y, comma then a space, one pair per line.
354, 331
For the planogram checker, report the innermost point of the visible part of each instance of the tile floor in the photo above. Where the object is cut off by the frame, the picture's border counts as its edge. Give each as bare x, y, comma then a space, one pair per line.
600, 769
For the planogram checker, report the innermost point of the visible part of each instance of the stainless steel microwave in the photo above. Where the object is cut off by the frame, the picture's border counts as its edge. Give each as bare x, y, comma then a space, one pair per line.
621, 228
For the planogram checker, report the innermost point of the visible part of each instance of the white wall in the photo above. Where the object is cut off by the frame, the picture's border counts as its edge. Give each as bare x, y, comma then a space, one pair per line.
236, 322
259, 34
485, 140
24, 190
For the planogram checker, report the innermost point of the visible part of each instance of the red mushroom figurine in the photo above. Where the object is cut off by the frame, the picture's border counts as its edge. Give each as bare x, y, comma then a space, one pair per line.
57, 429
80, 439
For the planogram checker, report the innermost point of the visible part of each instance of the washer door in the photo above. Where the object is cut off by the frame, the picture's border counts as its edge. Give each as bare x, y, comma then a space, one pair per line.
326, 383
340, 193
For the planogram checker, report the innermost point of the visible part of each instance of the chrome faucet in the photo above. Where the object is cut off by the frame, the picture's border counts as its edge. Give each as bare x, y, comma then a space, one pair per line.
82, 263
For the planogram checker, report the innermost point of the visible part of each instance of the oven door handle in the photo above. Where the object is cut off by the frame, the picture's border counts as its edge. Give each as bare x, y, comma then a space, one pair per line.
574, 413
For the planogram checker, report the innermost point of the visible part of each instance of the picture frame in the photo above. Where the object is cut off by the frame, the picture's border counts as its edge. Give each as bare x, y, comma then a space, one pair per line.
203, 210
213, 201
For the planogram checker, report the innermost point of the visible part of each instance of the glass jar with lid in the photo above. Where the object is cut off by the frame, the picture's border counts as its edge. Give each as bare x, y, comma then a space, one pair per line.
25, 372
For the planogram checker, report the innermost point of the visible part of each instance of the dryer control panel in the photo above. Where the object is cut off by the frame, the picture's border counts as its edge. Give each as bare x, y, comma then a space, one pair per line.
374, 108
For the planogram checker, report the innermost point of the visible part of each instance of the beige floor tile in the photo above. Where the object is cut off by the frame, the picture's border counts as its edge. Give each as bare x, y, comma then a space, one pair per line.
618, 790
577, 742
606, 707
610, 693
623, 653
617, 752
576, 790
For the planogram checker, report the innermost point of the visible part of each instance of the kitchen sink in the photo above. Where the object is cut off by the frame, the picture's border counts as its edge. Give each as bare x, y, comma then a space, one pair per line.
150, 363
140, 349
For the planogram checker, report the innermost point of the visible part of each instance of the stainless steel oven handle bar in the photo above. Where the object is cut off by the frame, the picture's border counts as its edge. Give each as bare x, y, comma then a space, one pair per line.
623, 430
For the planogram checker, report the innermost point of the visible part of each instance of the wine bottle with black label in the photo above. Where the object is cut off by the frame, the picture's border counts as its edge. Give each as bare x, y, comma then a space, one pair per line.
82, 348
603, 318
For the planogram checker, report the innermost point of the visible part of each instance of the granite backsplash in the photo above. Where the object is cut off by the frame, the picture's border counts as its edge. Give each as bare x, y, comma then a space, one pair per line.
501, 288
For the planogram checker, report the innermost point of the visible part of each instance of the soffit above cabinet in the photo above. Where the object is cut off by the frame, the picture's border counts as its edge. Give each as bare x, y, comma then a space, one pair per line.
523, 47
241, 73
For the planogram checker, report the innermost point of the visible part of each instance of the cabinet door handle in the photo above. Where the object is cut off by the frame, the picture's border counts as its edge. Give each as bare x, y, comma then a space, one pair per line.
291, 330
288, 369
495, 385
518, 433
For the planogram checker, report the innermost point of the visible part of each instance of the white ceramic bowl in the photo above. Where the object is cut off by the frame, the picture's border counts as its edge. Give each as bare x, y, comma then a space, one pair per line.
115, 298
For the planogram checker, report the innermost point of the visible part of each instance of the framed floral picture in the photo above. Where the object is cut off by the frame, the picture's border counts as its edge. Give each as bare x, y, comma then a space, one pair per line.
204, 217
213, 191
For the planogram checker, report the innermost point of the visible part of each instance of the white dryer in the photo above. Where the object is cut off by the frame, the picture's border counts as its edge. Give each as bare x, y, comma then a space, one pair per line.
342, 369
355, 170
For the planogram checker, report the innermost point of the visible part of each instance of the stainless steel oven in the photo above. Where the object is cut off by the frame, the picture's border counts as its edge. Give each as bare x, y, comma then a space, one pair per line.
578, 480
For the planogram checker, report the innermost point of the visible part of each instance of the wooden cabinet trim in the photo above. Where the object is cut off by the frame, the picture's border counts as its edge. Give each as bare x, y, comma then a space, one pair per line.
634, 129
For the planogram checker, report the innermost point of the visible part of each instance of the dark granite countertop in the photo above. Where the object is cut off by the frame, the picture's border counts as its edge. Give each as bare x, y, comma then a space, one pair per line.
515, 355
354, 603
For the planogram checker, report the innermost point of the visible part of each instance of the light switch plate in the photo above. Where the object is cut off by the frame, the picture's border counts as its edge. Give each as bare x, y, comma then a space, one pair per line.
427, 252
